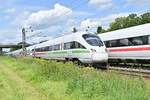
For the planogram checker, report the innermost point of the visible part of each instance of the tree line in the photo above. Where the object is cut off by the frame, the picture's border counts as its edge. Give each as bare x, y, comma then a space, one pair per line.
125, 22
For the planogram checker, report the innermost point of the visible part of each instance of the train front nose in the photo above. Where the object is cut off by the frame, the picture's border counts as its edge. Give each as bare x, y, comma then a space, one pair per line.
99, 57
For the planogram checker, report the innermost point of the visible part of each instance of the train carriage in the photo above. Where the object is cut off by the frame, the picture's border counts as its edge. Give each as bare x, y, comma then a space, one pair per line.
129, 44
80, 47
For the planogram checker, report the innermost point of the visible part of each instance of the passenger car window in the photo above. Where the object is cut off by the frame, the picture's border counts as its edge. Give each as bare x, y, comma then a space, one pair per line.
67, 46
73, 45
50, 48
149, 39
56, 47
142, 40
124, 42
113, 43
135, 41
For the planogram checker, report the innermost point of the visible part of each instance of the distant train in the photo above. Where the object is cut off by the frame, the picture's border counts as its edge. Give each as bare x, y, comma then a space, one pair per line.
129, 44
77, 47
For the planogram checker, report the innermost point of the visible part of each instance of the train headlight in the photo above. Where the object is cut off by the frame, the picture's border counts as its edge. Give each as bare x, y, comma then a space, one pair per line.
93, 50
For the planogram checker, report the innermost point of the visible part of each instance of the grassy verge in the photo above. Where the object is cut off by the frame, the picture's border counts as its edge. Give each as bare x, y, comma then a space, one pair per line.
59, 81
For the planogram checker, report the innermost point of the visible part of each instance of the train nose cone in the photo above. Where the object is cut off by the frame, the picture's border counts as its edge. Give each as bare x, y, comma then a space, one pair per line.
100, 57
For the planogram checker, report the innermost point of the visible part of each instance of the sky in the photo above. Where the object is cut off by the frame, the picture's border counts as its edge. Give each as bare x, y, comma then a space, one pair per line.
52, 18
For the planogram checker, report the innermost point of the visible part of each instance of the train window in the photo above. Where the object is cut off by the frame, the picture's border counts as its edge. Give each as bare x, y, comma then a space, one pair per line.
142, 40
46, 49
145, 40
67, 46
78, 45
56, 47
37, 49
135, 41
124, 42
41, 49
93, 40
50, 48
149, 39
73, 45
107, 43
113, 43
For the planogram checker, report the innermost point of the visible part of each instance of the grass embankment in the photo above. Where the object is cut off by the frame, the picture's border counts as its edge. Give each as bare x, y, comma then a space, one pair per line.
35, 79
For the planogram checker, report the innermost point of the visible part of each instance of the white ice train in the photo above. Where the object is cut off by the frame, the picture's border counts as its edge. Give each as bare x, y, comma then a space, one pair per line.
79, 47
129, 44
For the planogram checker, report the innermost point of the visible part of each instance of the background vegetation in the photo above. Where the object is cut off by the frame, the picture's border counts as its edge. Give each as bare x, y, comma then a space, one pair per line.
36, 79
125, 22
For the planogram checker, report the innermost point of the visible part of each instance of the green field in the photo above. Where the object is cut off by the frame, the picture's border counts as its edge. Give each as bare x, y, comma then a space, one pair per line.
35, 79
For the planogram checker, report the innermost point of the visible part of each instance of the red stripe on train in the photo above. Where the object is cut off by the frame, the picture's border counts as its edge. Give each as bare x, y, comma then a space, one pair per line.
39, 53
130, 49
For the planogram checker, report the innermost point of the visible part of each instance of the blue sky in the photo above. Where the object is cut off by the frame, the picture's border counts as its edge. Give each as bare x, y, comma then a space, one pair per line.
52, 18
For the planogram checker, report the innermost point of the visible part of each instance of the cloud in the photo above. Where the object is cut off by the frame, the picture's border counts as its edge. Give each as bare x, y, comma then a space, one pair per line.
92, 23
106, 20
20, 20
5, 18
101, 4
46, 18
138, 3
10, 36
50, 22
7, 1
8, 10
81, 13
103, 21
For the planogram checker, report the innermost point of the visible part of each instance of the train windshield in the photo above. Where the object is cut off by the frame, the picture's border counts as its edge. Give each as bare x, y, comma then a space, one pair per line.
93, 40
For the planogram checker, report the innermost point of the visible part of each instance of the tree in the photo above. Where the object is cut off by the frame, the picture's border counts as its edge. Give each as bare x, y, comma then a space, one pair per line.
100, 30
133, 20
146, 18
125, 22
119, 23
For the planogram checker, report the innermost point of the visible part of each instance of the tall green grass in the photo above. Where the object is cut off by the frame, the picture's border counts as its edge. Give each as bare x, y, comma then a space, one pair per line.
66, 81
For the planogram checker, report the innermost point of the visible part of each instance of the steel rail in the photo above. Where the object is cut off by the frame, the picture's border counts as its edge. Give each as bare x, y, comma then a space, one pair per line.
132, 71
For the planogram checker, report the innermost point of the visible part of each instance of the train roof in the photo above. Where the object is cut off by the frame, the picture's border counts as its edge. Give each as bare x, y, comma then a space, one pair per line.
135, 31
66, 38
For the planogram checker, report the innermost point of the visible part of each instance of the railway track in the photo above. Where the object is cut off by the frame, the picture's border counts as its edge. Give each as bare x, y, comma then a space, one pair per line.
131, 71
